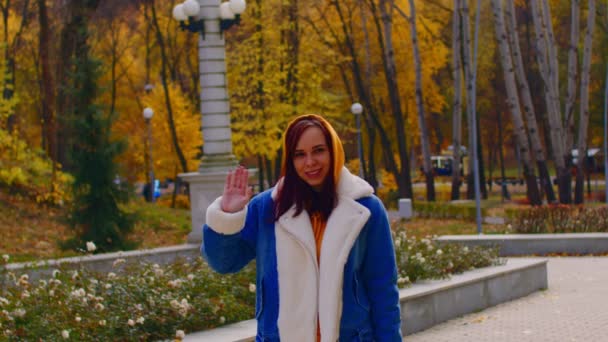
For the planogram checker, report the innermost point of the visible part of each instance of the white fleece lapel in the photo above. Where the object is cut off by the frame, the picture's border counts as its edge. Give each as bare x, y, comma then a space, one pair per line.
301, 280
298, 278
343, 228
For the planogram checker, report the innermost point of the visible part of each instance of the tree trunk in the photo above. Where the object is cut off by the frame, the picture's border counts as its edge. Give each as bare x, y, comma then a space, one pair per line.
424, 135
370, 173
572, 71
371, 163
390, 71
164, 61
10, 53
528, 106
513, 103
293, 48
481, 165
468, 79
269, 176
584, 106
552, 47
260, 161
545, 57
504, 191
456, 103
48, 95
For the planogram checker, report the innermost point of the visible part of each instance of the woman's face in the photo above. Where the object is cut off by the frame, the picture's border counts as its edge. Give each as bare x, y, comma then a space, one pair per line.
312, 159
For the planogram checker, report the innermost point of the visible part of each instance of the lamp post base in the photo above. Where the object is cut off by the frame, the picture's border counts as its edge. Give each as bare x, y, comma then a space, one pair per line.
205, 186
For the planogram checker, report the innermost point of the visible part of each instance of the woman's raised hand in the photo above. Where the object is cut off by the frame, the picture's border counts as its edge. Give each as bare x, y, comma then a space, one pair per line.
236, 191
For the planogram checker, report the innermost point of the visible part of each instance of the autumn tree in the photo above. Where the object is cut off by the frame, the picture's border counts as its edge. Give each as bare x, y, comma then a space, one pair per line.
527, 104
514, 105
426, 153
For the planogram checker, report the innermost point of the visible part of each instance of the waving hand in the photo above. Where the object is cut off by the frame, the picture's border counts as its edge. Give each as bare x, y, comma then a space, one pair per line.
236, 191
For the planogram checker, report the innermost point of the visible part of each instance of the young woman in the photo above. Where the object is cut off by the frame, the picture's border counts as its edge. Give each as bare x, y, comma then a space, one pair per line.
324, 254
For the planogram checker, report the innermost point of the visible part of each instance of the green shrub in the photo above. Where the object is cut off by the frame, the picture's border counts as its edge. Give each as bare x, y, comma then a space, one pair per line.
558, 218
446, 210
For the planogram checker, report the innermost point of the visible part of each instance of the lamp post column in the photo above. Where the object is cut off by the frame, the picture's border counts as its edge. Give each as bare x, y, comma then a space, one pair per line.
215, 104
148, 113
357, 109
208, 183
151, 162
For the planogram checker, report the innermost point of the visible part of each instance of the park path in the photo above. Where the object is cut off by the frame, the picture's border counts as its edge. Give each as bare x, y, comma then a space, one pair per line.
574, 308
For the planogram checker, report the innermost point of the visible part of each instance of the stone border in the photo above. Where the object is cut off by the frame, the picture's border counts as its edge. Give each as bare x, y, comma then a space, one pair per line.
103, 262
428, 303
535, 244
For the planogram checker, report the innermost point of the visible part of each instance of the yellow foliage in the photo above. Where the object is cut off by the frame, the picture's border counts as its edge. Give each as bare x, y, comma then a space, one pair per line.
181, 201
187, 124
260, 104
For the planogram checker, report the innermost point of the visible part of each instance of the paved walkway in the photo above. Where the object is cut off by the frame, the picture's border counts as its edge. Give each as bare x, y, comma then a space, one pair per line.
574, 308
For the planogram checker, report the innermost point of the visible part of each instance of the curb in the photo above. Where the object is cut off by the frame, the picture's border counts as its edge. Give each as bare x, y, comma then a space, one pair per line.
535, 244
431, 302
103, 262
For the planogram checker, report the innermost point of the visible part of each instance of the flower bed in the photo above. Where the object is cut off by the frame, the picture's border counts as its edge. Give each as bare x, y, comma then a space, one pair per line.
150, 302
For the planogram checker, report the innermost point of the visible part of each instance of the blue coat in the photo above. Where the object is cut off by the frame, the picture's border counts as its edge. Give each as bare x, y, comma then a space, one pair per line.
352, 291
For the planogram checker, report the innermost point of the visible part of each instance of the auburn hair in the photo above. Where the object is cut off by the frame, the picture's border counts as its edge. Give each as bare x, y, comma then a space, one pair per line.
294, 190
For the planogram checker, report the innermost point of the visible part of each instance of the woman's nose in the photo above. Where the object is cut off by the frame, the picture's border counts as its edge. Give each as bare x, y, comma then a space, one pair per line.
310, 160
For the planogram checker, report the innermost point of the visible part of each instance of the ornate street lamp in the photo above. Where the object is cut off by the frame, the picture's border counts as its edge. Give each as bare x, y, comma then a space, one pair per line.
210, 18
148, 113
188, 15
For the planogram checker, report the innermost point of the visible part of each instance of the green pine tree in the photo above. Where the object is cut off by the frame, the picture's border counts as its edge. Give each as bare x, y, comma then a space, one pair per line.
96, 215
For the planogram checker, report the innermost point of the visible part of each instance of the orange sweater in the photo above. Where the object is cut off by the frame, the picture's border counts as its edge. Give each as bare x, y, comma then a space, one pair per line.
318, 228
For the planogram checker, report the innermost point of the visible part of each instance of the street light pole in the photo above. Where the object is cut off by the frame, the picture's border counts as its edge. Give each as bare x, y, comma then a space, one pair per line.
606, 131
148, 112
357, 109
210, 19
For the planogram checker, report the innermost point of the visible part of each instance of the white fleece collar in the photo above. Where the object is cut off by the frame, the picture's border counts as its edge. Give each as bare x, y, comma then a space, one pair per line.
301, 279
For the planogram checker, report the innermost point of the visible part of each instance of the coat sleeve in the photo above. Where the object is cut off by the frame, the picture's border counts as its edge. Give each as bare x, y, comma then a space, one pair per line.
380, 276
229, 239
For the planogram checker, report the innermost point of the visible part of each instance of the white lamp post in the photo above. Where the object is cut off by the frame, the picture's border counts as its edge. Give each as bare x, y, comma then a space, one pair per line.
210, 18
148, 113
357, 109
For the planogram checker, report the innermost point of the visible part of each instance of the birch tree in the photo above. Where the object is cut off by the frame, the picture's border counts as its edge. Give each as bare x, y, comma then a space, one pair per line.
584, 105
572, 71
546, 58
528, 106
424, 137
471, 106
513, 102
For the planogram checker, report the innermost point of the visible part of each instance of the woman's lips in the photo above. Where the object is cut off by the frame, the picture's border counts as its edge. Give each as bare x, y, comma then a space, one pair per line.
313, 174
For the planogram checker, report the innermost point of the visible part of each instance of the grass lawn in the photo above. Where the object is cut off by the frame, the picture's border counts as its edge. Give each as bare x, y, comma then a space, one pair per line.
31, 232
428, 227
